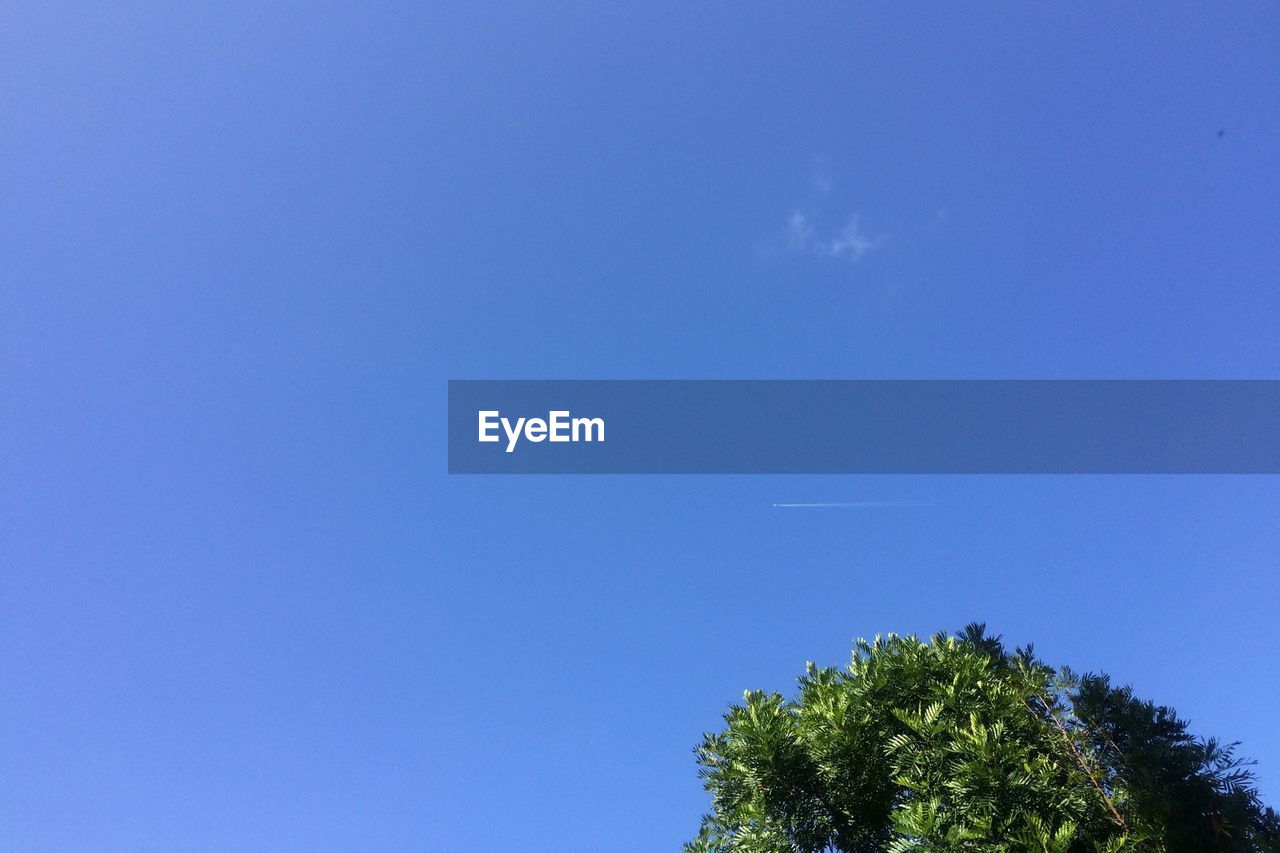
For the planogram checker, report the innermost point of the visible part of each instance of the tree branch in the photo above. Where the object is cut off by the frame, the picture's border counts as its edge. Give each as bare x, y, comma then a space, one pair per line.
1062, 729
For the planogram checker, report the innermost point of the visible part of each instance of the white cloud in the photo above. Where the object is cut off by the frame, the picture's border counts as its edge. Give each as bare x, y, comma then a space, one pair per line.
800, 235
812, 229
850, 242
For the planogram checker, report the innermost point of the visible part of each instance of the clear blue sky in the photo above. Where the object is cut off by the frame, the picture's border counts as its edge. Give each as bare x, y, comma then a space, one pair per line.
242, 607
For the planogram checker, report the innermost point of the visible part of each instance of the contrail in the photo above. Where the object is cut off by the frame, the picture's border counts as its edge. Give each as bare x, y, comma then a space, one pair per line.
856, 504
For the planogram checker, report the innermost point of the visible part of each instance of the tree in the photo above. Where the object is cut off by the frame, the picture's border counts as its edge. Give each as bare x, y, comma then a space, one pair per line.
957, 744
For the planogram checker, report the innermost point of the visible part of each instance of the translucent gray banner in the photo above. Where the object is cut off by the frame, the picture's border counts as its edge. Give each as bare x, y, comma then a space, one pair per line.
864, 427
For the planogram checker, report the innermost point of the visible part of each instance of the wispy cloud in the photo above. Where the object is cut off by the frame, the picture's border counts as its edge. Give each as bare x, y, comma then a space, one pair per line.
800, 236
849, 243
852, 242
811, 228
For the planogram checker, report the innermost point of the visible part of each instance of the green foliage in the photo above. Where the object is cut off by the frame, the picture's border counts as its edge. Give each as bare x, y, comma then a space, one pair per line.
957, 744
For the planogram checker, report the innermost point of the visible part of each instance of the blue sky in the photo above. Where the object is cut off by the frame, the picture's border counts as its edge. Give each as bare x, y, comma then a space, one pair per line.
242, 607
